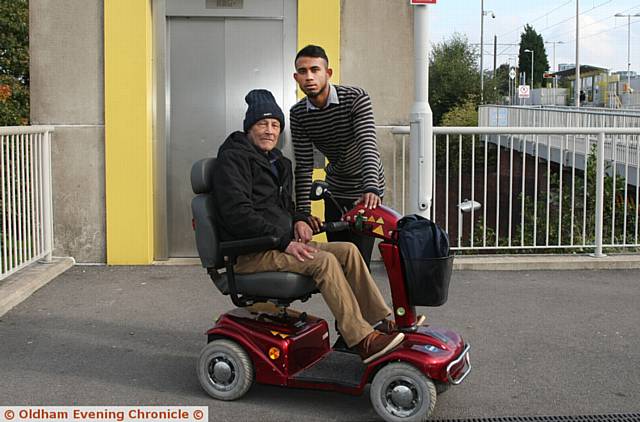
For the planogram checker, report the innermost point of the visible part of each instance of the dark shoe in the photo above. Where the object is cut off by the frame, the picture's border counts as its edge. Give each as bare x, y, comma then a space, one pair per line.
377, 344
341, 346
388, 326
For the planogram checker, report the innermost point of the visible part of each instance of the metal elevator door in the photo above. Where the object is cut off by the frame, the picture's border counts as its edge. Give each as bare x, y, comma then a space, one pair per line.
212, 63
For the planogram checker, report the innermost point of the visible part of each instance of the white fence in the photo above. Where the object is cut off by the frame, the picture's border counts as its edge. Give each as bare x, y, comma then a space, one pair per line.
630, 100
580, 199
556, 116
25, 195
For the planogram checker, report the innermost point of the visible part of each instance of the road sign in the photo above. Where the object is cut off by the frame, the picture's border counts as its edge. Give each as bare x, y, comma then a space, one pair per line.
417, 2
523, 91
512, 73
548, 75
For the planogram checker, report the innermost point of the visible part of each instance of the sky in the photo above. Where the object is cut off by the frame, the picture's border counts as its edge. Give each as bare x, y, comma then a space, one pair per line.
603, 37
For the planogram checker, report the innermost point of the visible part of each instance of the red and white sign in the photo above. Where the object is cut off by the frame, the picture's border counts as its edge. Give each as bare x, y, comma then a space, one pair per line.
417, 2
548, 75
523, 91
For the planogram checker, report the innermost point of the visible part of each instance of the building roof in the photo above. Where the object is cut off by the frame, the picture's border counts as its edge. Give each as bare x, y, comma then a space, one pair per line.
585, 70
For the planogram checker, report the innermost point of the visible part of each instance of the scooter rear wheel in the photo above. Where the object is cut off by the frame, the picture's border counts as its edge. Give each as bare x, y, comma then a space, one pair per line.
401, 393
224, 370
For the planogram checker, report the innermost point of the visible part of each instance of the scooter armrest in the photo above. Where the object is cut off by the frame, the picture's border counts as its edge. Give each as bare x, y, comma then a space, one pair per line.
234, 248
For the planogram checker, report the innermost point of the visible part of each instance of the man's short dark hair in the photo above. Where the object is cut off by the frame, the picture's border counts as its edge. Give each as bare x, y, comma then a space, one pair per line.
312, 51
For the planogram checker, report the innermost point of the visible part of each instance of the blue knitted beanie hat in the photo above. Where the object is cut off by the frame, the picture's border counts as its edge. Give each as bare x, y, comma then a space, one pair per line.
262, 105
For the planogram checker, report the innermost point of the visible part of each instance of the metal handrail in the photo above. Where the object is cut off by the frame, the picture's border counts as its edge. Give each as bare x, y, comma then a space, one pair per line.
26, 219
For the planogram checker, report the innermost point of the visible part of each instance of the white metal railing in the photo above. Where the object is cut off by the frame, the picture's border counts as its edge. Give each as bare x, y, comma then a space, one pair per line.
25, 195
630, 100
555, 116
529, 202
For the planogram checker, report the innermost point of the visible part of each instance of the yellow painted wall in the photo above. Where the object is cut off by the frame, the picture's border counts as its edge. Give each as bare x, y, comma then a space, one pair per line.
128, 130
319, 24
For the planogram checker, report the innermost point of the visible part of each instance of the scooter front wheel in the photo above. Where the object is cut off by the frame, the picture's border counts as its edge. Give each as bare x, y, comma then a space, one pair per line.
225, 370
401, 393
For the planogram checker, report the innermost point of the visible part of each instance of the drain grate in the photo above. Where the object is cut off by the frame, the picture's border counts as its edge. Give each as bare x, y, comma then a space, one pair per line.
628, 417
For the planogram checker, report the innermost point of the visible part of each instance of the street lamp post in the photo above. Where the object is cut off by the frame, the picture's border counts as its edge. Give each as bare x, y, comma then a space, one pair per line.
620, 15
555, 79
482, 15
531, 51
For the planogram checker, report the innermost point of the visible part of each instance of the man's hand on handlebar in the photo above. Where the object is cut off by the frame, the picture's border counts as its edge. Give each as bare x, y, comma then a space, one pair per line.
370, 200
302, 232
300, 251
315, 223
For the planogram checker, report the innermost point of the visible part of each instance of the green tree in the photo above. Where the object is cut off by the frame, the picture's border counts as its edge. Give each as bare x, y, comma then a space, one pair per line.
14, 62
464, 114
453, 75
531, 40
497, 87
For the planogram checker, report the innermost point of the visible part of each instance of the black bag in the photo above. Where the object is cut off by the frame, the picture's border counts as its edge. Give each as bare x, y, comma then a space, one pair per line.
427, 263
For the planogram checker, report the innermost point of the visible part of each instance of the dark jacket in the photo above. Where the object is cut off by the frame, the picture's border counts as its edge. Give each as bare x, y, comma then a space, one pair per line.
250, 200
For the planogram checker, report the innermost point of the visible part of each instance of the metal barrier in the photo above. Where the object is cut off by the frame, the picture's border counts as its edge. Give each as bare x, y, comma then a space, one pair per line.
555, 116
25, 193
539, 188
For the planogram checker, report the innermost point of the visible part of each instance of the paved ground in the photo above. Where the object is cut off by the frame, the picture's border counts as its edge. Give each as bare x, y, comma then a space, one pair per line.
543, 343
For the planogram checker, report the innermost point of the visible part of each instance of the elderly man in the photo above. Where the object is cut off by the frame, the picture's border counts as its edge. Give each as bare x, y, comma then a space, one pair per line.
253, 185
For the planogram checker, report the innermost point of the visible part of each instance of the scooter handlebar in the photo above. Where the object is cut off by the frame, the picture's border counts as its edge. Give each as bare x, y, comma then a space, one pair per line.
335, 226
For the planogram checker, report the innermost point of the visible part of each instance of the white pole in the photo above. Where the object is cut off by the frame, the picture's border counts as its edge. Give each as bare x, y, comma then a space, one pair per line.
629, 53
599, 195
578, 81
47, 196
531, 69
421, 120
555, 79
481, 51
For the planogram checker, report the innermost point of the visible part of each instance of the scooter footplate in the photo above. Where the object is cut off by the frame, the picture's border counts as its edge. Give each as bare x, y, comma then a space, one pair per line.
335, 368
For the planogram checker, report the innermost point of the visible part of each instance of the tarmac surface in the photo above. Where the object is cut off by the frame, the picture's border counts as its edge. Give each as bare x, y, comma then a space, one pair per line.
543, 343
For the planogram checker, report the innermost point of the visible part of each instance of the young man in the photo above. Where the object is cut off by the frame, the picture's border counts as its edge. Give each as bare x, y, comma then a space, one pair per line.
252, 190
338, 121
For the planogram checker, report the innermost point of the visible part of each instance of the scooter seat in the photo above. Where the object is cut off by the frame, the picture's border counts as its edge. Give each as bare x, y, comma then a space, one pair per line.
271, 285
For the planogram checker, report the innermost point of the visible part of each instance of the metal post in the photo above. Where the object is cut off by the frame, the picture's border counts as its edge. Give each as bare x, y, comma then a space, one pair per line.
628, 16
47, 205
481, 51
495, 54
421, 120
578, 82
628, 53
532, 69
599, 195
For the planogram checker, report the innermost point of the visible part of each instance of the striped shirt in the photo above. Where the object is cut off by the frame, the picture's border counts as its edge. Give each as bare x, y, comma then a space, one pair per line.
345, 133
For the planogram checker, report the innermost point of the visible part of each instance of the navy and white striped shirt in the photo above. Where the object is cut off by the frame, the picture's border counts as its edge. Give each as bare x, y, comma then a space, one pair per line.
345, 133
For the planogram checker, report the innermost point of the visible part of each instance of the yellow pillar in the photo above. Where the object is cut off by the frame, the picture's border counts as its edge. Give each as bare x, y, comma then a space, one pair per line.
128, 131
319, 24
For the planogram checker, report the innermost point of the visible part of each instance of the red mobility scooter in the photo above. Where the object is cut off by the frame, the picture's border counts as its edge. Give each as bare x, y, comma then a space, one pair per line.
291, 349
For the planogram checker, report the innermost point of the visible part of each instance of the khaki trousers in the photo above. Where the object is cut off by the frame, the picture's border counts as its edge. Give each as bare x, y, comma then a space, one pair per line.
342, 278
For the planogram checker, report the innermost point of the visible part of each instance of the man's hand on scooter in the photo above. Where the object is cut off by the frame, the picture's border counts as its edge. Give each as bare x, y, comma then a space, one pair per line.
370, 200
300, 251
302, 232
315, 223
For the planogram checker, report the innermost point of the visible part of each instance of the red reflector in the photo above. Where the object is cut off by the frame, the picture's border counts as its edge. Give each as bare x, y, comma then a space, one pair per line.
193, 224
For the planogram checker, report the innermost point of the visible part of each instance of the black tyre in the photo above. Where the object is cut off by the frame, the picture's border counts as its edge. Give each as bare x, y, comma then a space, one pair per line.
442, 387
224, 370
401, 393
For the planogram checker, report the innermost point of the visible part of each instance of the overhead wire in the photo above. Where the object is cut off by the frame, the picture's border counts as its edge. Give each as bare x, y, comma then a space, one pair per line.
536, 19
582, 27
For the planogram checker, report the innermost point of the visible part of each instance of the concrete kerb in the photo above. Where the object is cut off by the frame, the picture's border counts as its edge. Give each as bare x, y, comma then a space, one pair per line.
19, 286
545, 262
511, 262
